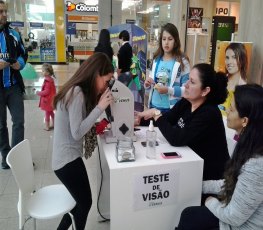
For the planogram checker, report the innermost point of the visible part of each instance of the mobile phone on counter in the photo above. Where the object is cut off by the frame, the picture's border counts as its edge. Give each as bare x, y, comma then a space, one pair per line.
170, 155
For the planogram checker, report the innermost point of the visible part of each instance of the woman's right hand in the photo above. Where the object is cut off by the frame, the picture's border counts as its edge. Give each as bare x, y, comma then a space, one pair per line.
105, 99
148, 82
147, 114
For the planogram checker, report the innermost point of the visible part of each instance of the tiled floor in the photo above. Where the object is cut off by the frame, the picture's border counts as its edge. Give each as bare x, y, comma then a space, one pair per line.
41, 145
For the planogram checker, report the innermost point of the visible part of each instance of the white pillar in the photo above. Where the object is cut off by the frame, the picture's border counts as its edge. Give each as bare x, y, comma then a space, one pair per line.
109, 13
250, 30
179, 17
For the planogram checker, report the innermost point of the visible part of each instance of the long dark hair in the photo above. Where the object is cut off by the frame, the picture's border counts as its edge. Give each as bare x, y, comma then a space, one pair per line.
104, 38
217, 81
176, 52
241, 58
104, 44
85, 78
249, 103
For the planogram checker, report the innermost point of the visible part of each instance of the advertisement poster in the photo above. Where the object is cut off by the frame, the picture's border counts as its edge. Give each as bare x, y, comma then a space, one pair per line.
34, 56
156, 189
223, 27
220, 54
138, 41
47, 54
194, 22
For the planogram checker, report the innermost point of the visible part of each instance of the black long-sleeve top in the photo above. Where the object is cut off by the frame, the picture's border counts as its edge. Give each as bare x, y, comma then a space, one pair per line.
125, 57
202, 130
104, 49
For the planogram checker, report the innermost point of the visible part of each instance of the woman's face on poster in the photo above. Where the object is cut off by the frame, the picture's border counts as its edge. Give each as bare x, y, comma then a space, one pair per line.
231, 62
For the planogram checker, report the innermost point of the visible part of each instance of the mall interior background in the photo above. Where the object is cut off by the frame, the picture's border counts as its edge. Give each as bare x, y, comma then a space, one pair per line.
48, 28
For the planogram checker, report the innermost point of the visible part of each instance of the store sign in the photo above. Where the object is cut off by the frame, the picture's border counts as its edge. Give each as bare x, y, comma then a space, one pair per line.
17, 24
155, 189
228, 8
130, 21
222, 11
81, 7
36, 24
83, 18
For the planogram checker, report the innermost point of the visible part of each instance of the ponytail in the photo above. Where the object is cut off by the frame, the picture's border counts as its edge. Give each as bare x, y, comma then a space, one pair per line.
220, 91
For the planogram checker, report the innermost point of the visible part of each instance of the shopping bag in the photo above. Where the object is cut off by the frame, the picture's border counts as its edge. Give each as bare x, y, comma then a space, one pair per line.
28, 72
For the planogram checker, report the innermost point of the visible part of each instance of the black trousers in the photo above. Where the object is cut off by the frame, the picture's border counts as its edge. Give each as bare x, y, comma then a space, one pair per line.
74, 176
11, 98
198, 218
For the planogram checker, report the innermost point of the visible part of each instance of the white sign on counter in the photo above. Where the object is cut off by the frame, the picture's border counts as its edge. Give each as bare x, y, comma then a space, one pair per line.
155, 189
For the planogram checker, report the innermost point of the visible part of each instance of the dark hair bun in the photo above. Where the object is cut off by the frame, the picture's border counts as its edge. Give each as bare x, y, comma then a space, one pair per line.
221, 91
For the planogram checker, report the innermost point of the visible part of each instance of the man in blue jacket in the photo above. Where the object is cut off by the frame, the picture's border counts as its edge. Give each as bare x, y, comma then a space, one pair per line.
11, 84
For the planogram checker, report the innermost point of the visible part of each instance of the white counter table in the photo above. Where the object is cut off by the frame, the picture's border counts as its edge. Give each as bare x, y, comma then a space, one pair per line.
148, 194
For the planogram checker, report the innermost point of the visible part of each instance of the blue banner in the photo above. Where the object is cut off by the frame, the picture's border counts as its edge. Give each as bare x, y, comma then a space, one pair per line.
71, 28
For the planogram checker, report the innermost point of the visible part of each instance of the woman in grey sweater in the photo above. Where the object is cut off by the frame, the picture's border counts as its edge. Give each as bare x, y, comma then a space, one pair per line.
78, 104
240, 203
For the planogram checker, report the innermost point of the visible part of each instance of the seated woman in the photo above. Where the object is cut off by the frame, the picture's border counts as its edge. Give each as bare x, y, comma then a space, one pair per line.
240, 205
196, 120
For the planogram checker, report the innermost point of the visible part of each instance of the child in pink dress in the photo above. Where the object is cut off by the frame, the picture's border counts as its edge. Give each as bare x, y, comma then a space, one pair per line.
47, 93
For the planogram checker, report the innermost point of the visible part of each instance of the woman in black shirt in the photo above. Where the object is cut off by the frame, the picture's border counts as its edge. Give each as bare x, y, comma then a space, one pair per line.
196, 120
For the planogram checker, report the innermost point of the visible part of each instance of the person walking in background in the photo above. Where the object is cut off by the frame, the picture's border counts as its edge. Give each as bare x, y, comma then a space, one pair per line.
11, 85
170, 71
104, 44
240, 203
124, 58
78, 104
236, 68
47, 93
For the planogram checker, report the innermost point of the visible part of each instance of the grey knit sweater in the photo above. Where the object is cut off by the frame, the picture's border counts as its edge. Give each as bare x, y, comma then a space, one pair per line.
70, 126
245, 210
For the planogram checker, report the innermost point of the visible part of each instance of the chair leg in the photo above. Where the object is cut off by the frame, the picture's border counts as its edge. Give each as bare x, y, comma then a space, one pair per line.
20, 209
21, 221
73, 221
35, 223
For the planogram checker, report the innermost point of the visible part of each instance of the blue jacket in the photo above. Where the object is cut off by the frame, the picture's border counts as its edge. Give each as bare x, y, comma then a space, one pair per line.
11, 48
179, 78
